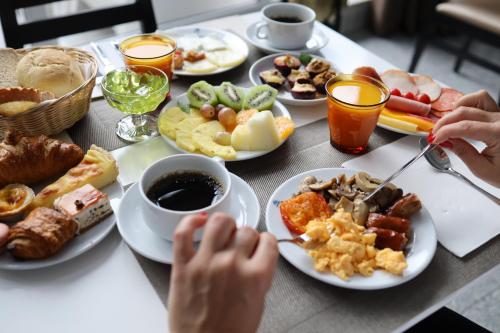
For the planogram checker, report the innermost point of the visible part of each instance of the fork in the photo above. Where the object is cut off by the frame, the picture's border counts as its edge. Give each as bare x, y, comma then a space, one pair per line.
298, 240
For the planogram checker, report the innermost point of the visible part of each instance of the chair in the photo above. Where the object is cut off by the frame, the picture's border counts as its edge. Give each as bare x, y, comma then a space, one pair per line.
476, 19
16, 35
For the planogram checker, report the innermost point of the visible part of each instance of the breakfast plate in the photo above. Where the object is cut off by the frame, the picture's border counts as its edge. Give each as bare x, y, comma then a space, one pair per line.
317, 41
229, 50
418, 254
284, 93
244, 208
278, 110
79, 245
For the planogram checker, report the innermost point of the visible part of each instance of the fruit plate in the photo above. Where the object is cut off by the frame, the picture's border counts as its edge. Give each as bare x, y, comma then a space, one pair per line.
284, 94
277, 110
186, 35
419, 253
77, 246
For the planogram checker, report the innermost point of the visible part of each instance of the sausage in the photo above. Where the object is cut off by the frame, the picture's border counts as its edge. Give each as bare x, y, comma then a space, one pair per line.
406, 206
387, 238
408, 105
388, 222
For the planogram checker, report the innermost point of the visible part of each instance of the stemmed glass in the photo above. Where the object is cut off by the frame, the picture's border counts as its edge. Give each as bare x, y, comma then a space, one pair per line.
135, 91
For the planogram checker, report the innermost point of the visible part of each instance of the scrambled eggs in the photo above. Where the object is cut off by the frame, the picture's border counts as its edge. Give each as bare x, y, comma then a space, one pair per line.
338, 245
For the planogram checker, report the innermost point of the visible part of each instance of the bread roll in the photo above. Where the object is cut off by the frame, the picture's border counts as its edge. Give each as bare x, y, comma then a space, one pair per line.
49, 70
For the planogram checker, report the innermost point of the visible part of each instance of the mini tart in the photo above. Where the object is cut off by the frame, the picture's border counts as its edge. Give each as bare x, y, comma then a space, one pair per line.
317, 66
286, 63
15, 100
321, 79
303, 91
14, 202
298, 76
272, 77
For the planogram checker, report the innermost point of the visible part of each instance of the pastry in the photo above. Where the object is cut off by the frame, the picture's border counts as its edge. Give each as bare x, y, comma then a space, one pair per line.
16, 100
86, 205
317, 66
49, 70
4, 236
42, 234
14, 201
272, 77
97, 168
321, 79
286, 63
29, 160
303, 91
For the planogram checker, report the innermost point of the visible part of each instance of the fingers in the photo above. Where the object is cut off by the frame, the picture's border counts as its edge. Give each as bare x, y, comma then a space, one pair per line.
475, 130
218, 232
474, 160
244, 241
266, 253
463, 113
479, 99
183, 238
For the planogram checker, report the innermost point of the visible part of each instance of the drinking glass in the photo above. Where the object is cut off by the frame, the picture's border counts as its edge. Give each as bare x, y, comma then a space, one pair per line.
135, 91
354, 105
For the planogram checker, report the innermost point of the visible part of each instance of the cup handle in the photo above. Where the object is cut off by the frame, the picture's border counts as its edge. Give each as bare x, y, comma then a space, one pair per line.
261, 26
219, 160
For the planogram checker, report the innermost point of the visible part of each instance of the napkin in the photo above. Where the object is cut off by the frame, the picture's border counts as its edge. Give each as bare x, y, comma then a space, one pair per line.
464, 218
103, 290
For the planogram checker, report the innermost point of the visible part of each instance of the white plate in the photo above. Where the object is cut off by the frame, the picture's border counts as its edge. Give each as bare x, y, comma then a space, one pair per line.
277, 110
235, 42
79, 245
244, 208
317, 41
419, 256
284, 95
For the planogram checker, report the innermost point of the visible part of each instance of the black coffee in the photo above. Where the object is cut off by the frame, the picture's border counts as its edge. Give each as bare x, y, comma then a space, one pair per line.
286, 19
184, 191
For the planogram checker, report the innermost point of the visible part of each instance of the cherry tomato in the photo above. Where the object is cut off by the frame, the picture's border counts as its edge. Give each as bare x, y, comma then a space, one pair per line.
424, 98
207, 111
395, 92
409, 95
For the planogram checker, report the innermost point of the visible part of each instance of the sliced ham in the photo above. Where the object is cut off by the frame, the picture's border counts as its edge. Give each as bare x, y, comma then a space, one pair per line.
447, 100
398, 79
426, 85
368, 71
408, 105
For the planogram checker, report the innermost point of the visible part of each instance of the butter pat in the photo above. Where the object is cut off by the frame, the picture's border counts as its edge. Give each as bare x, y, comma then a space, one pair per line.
86, 205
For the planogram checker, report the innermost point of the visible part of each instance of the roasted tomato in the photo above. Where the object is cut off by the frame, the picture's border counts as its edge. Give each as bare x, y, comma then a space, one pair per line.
298, 211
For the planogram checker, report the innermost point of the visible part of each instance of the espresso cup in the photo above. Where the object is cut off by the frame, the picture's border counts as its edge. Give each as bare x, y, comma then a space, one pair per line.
163, 221
286, 35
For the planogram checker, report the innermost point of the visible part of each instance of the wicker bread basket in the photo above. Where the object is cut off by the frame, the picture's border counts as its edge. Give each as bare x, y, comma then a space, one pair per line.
54, 117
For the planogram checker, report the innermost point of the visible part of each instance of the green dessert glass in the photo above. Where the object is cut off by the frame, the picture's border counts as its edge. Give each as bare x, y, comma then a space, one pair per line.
135, 91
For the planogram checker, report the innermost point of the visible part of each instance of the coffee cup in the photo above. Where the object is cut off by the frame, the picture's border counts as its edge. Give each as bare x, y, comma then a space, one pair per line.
286, 26
163, 221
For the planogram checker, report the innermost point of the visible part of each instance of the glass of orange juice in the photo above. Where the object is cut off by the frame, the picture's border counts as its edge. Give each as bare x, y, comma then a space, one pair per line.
153, 50
354, 105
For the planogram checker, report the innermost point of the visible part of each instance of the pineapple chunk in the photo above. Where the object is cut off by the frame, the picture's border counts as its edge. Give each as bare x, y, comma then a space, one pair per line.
203, 138
169, 119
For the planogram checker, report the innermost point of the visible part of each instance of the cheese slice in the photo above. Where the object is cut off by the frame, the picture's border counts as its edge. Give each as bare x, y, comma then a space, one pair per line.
97, 168
225, 58
201, 67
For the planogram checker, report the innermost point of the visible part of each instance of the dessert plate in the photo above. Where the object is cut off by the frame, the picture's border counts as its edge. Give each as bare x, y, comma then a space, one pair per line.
277, 110
284, 94
421, 247
244, 208
233, 42
318, 40
79, 245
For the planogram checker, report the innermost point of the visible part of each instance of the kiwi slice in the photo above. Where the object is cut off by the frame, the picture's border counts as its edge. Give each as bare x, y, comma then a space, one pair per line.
230, 95
260, 97
200, 93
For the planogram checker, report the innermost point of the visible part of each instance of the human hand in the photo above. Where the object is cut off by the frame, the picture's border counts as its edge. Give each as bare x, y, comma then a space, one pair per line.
477, 117
222, 286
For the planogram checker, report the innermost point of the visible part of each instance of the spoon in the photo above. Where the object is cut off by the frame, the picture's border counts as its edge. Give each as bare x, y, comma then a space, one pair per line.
441, 162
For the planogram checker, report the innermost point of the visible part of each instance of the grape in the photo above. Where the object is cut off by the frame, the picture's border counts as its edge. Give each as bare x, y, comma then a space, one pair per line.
219, 107
207, 111
223, 138
227, 117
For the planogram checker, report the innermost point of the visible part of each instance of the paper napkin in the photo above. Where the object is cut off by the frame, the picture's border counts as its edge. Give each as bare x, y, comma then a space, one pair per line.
464, 218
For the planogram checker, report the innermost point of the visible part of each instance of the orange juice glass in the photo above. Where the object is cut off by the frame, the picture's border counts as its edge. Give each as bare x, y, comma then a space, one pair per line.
150, 50
354, 105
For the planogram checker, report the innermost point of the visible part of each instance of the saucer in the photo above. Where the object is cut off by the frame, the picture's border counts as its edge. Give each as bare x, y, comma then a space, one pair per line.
318, 40
244, 208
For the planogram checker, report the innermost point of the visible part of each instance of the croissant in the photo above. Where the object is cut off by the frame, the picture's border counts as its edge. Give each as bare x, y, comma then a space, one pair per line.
42, 234
29, 160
